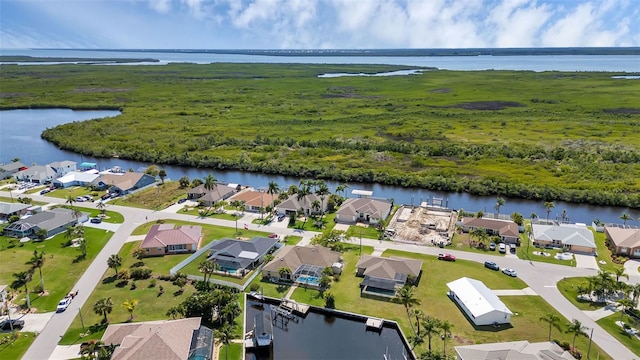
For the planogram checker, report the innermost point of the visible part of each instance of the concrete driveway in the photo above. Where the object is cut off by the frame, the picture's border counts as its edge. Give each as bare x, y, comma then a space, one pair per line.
103, 225
586, 261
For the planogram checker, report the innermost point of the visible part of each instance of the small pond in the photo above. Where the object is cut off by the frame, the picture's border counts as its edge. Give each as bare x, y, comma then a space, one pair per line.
390, 73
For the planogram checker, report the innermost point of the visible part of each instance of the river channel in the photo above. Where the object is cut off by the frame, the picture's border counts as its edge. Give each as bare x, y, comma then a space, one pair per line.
20, 137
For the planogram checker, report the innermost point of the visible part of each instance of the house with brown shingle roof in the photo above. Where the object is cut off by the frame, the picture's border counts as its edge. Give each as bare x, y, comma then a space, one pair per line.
506, 229
366, 210
208, 198
624, 242
164, 239
160, 340
292, 204
382, 276
124, 182
305, 261
254, 200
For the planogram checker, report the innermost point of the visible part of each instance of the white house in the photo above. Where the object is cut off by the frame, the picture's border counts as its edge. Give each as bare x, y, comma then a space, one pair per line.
76, 178
482, 306
571, 237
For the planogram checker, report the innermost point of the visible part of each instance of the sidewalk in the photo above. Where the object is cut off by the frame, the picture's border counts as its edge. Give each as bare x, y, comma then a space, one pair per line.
602, 312
512, 292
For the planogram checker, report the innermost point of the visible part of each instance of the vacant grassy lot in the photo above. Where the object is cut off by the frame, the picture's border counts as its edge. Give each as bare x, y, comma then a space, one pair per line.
155, 197
74, 191
461, 242
15, 350
536, 135
609, 324
62, 267
15, 199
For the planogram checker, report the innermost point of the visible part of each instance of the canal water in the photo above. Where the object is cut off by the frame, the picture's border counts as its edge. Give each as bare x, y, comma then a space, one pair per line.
20, 137
322, 336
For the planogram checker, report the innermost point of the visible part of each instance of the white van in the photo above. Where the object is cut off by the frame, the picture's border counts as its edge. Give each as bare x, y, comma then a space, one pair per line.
502, 248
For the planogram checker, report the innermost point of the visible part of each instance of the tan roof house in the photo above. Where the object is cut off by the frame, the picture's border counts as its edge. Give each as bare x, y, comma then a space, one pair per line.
624, 242
208, 198
382, 276
165, 239
365, 210
575, 238
513, 350
303, 262
506, 229
293, 204
160, 340
254, 200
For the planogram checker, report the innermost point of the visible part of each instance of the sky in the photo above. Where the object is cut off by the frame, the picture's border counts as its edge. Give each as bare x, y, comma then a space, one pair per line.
317, 24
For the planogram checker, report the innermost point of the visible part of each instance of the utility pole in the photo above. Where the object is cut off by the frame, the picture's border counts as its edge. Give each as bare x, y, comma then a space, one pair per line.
81, 321
589, 348
360, 242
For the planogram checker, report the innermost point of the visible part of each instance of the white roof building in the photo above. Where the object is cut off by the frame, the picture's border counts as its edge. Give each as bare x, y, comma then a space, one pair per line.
76, 178
513, 350
482, 306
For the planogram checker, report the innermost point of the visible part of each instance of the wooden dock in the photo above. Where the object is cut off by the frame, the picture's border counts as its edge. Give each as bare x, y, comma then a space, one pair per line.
375, 323
294, 306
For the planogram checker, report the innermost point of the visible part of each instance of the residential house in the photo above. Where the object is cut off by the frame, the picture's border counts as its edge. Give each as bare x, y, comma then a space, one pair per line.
181, 339
366, 210
240, 256
254, 200
303, 262
623, 241
507, 230
41, 174
9, 169
521, 350
8, 210
383, 276
293, 204
571, 237
63, 167
122, 182
208, 198
54, 221
76, 178
164, 239
481, 305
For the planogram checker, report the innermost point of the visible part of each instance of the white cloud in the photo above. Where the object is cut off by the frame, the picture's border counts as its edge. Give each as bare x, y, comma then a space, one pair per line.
161, 6
517, 23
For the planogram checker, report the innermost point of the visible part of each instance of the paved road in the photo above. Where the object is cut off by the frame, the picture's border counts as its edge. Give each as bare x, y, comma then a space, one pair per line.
540, 277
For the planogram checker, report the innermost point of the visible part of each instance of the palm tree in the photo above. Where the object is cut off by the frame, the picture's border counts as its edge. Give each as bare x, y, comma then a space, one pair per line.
477, 233
624, 217
207, 268
430, 327
285, 272
315, 205
37, 261
231, 310
445, 327
553, 320
103, 307
224, 336
322, 191
273, 190
130, 305
22, 278
499, 203
102, 207
162, 173
342, 188
184, 181
91, 349
406, 296
619, 272
70, 200
626, 304
114, 261
303, 191
548, 205
210, 184
420, 316
175, 311
575, 327
635, 292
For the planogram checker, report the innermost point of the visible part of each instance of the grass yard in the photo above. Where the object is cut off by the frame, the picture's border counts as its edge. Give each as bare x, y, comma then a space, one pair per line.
461, 242
62, 267
209, 232
310, 225
292, 240
15, 349
110, 216
609, 324
154, 197
234, 353
369, 232
74, 191
15, 199
603, 252
568, 288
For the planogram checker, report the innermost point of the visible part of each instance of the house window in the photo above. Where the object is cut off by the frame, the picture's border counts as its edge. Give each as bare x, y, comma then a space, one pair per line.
147, 250
159, 249
624, 250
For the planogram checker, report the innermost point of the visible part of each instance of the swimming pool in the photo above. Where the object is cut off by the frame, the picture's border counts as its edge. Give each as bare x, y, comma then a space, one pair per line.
306, 279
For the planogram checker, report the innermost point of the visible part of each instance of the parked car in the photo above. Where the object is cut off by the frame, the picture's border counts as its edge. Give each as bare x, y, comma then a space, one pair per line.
6, 324
502, 248
273, 235
446, 257
491, 265
88, 197
45, 191
492, 246
96, 220
512, 249
105, 196
180, 201
80, 198
63, 304
113, 195
509, 272
281, 217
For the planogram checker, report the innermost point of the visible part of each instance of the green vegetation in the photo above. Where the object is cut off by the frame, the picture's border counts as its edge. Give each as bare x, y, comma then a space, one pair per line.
16, 197
235, 352
535, 135
62, 267
15, 349
609, 325
154, 197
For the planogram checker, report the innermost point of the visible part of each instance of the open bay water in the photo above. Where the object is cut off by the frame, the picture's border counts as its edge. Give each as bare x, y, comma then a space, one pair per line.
612, 63
20, 137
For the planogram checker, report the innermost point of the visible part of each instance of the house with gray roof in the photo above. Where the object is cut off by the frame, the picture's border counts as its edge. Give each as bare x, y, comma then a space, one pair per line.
38, 173
9, 169
238, 256
383, 276
623, 241
165, 239
571, 237
209, 197
507, 230
8, 210
54, 221
180, 339
365, 210
303, 262
520, 350
63, 167
481, 305
293, 204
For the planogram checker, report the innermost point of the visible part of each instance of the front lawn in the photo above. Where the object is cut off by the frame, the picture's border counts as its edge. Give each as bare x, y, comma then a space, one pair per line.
209, 232
235, 352
530, 252
609, 325
154, 197
74, 191
292, 240
603, 252
461, 242
328, 223
369, 232
15, 200
569, 288
63, 265
15, 349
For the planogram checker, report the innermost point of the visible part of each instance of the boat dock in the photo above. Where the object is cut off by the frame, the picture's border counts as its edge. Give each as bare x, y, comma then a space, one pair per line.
375, 323
294, 306
262, 334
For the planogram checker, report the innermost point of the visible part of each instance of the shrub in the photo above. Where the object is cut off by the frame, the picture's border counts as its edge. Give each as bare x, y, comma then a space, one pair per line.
336, 277
160, 290
254, 287
133, 285
137, 264
37, 289
329, 300
124, 274
152, 283
140, 273
165, 277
